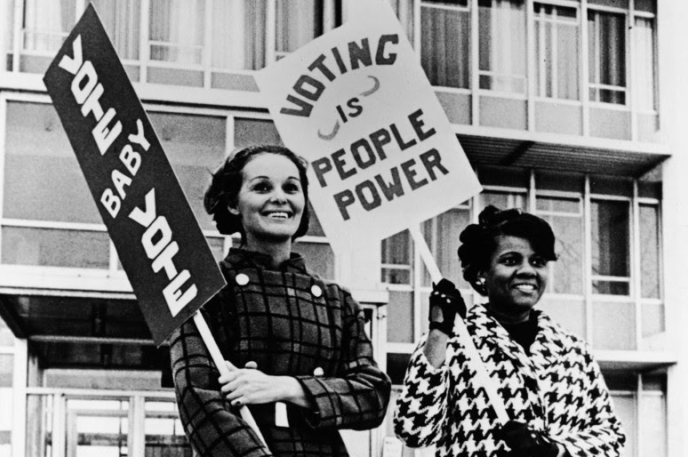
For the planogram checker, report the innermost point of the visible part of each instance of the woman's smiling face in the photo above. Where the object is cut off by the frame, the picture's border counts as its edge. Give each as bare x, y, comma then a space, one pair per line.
516, 277
271, 199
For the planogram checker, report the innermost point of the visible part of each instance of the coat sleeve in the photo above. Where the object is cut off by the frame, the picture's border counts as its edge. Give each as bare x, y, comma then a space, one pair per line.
600, 433
422, 406
357, 397
212, 428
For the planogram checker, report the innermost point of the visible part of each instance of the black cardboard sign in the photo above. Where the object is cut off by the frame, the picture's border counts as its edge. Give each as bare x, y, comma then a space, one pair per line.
158, 240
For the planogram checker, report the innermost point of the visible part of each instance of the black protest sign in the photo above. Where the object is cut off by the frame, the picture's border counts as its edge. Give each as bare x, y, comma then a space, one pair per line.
157, 237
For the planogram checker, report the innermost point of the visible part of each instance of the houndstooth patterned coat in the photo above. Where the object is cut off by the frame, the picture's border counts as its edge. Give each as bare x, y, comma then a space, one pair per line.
292, 323
558, 389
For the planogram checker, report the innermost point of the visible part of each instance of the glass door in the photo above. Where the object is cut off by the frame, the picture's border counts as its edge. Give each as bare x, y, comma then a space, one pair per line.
98, 428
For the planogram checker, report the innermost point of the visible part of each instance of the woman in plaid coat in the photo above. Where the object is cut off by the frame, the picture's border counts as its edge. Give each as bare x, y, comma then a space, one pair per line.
300, 358
553, 390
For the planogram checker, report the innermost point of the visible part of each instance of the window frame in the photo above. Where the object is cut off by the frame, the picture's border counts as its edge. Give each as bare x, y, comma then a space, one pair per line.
524, 79
596, 10
470, 45
631, 255
655, 62
538, 76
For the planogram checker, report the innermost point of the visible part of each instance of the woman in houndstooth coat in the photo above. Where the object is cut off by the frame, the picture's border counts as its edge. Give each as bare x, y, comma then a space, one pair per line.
300, 358
554, 393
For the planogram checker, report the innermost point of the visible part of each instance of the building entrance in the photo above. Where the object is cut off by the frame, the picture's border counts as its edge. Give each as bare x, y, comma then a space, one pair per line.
101, 424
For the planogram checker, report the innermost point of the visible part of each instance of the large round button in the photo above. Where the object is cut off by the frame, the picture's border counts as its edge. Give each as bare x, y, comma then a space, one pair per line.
316, 290
241, 279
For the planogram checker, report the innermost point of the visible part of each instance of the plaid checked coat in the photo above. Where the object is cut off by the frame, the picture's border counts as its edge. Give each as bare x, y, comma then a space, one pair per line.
292, 323
558, 389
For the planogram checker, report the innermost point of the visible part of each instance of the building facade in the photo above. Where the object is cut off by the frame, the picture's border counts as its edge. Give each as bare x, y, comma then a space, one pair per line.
570, 109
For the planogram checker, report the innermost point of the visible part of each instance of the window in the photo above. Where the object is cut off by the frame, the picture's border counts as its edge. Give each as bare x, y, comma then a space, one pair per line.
640, 403
176, 31
611, 267
442, 235
644, 78
121, 20
502, 45
404, 11
502, 200
194, 145
43, 182
7, 34
7, 399
101, 424
47, 23
607, 57
238, 37
556, 44
298, 22
565, 215
42, 177
397, 259
49, 215
445, 43
649, 251
409, 282
164, 431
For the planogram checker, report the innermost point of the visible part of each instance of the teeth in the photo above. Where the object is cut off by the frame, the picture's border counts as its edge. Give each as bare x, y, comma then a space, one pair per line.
279, 215
526, 287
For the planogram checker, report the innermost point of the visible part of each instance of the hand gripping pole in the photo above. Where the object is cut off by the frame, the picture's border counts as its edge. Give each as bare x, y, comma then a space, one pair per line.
221, 365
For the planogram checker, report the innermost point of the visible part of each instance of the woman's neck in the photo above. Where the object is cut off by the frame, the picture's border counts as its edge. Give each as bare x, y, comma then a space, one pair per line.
279, 251
510, 317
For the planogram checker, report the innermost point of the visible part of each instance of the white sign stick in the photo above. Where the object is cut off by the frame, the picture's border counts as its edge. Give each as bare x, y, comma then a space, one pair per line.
482, 376
219, 362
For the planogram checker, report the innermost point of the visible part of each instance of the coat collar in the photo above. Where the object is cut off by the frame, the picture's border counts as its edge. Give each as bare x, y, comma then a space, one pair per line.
242, 258
548, 345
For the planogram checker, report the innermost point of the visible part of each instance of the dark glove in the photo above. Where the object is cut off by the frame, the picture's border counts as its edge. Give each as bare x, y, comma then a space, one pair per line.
448, 300
525, 442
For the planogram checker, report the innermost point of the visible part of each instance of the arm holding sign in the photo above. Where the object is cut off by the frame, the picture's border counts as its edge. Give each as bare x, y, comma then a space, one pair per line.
352, 393
212, 428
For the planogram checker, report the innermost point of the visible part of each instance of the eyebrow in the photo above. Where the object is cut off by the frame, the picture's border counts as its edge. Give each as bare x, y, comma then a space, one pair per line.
268, 178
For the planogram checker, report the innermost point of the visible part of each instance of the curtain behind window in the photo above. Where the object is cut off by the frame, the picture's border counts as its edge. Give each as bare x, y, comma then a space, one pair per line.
445, 49
298, 22
607, 54
404, 11
176, 28
610, 246
503, 45
644, 67
121, 20
556, 38
238, 40
7, 34
47, 23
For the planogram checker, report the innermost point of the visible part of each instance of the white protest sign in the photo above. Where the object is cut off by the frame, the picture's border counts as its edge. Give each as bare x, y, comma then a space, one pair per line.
357, 105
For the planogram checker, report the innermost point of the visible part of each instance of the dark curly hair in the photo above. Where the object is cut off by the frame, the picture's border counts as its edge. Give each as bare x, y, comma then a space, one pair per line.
226, 183
479, 241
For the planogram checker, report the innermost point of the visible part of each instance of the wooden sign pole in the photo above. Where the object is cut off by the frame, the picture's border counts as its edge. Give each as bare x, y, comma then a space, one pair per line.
482, 376
222, 367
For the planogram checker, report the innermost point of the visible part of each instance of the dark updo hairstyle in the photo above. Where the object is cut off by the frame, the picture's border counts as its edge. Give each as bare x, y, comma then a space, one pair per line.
479, 241
223, 191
